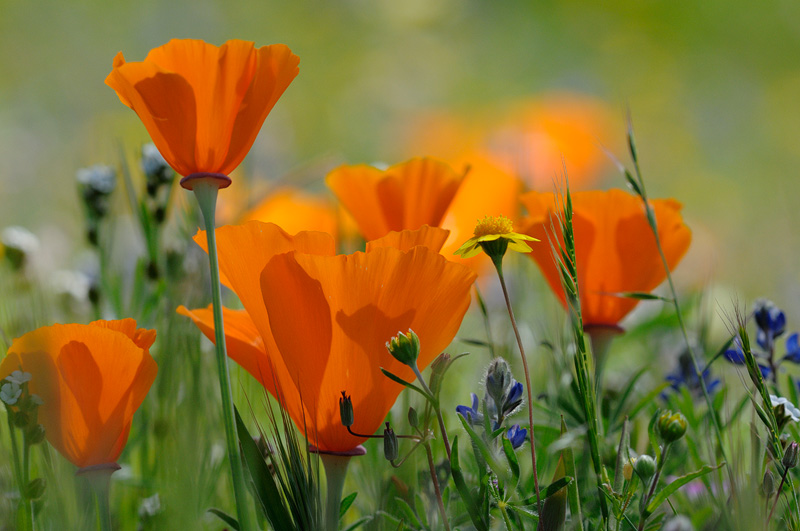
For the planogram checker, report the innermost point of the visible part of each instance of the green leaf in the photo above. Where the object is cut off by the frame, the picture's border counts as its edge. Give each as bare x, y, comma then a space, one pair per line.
487, 454
642, 296
511, 457
463, 490
266, 491
547, 491
667, 491
399, 380
347, 501
225, 517
358, 523
572, 492
554, 511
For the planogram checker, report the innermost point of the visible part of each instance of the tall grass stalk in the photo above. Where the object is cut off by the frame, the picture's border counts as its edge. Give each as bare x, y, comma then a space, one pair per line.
637, 185
566, 263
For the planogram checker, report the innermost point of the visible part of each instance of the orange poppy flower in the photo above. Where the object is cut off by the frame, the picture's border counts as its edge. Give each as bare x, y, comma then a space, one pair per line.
91, 379
614, 247
204, 105
315, 323
294, 210
405, 196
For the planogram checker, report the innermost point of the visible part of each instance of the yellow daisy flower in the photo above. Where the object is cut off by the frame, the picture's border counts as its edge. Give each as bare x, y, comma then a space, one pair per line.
495, 229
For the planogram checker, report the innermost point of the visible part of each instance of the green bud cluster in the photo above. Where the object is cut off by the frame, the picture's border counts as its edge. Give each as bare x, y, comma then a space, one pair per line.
404, 348
671, 426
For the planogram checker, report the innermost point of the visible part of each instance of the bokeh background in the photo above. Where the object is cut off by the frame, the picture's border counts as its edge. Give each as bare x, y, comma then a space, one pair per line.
712, 88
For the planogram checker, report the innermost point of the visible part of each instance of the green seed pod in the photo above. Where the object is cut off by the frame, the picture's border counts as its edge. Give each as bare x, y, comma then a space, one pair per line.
404, 348
346, 410
390, 445
413, 418
767, 487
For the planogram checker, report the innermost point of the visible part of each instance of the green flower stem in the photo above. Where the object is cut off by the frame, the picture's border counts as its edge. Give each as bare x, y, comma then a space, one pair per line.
99, 479
504, 512
335, 472
653, 484
25, 510
206, 193
436, 488
436, 408
498, 264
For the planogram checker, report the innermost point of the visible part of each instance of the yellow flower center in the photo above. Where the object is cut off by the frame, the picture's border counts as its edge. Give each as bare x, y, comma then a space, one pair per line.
493, 225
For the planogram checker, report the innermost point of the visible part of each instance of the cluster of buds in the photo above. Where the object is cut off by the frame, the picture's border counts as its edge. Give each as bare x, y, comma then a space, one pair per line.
96, 184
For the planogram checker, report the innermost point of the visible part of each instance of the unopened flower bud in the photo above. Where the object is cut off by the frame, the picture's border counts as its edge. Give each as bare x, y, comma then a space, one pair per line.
34, 489
767, 487
346, 410
438, 368
21, 419
404, 348
627, 469
645, 466
34, 434
413, 418
790, 456
390, 445
671, 426
498, 379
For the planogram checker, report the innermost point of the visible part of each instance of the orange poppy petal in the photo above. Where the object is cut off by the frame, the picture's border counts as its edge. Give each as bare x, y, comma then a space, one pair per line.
295, 211
142, 337
242, 339
358, 302
166, 104
275, 68
430, 237
355, 188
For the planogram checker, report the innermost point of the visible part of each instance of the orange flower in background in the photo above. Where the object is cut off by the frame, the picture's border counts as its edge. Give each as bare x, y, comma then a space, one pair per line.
614, 246
542, 135
294, 210
204, 105
405, 196
91, 379
316, 323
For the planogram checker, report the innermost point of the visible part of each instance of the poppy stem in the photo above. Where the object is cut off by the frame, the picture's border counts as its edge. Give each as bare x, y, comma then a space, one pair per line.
335, 472
205, 190
498, 264
99, 479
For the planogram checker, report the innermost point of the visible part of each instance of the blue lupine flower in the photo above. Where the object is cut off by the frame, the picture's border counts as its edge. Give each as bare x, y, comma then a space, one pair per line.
513, 399
736, 356
771, 323
792, 348
684, 375
516, 435
471, 414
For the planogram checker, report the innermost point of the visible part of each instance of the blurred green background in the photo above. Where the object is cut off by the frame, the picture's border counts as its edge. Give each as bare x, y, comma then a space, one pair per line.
712, 87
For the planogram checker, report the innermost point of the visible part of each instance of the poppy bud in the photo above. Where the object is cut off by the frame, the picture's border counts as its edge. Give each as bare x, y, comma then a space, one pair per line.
390, 446
790, 456
346, 410
438, 368
404, 348
645, 466
671, 426
34, 489
413, 418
